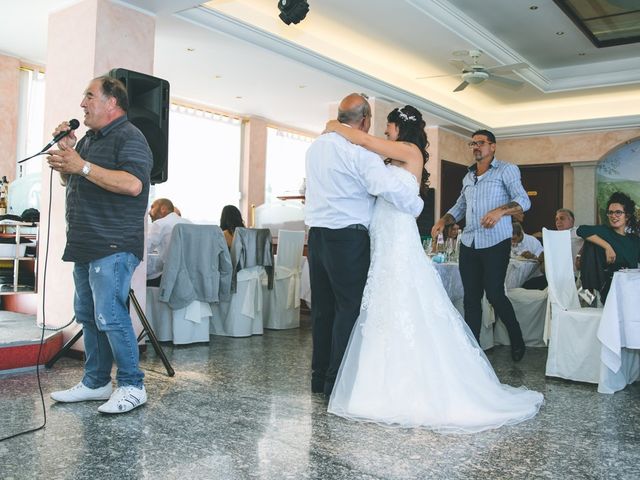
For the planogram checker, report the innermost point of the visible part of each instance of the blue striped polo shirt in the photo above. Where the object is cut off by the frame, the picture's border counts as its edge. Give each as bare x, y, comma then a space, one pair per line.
498, 186
99, 222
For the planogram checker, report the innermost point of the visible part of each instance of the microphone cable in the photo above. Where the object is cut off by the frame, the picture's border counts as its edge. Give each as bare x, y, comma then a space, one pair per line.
44, 282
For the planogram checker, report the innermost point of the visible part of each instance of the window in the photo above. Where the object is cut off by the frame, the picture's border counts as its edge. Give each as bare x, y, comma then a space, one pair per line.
30, 120
204, 163
285, 163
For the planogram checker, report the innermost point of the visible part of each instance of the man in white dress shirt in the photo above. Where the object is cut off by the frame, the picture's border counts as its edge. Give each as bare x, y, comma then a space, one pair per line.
524, 245
343, 180
164, 218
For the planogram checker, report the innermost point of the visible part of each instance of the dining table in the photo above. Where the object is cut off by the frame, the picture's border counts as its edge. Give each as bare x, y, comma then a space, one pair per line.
619, 333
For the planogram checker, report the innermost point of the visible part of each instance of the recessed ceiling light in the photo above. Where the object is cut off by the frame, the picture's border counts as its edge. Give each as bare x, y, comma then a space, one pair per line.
238, 97
582, 54
189, 49
217, 76
533, 7
302, 86
559, 33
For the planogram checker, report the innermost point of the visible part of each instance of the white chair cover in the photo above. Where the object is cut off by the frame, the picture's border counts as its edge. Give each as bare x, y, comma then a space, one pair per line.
530, 307
191, 323
181, 326
571, 331
243, 315
284, 299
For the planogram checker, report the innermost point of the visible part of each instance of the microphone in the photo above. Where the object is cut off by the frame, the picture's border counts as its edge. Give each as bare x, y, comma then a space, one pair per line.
73, 124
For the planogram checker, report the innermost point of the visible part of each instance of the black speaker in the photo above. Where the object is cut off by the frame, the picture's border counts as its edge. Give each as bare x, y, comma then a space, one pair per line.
149, 111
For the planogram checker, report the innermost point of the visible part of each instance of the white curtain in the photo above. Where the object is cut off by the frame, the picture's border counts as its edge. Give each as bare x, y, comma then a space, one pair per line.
30, 121
204, 164
285, 163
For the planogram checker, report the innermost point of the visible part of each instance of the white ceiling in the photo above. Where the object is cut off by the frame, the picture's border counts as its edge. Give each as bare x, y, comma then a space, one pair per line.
292, 74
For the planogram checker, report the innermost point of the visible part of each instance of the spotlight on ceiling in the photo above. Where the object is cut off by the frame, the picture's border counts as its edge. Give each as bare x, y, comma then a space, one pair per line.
293, 11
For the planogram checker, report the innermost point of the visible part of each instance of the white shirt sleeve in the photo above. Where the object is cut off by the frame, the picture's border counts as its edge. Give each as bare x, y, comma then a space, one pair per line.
379, 182
532, 244
154, 237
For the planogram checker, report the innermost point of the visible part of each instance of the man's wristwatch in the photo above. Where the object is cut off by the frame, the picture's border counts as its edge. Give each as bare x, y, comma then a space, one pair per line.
86, 169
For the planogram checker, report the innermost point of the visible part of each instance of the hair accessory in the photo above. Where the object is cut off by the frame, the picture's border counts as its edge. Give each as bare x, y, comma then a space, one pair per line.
406, 117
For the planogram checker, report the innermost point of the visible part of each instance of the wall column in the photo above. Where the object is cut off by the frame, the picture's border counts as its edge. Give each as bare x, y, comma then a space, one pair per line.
85, 40
253, 166
584, 192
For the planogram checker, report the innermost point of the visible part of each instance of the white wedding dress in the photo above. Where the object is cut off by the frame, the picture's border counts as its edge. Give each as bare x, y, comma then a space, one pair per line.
412, 361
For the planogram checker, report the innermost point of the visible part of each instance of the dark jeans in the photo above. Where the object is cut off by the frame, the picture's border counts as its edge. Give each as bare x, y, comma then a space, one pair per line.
483, 270
338, 265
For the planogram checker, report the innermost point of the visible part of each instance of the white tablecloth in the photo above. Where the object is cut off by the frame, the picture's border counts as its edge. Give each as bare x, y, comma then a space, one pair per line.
518, 272
451, 280
619, 333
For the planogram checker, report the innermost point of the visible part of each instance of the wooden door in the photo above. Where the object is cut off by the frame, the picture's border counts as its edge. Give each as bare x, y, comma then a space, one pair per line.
451, 185
544, 185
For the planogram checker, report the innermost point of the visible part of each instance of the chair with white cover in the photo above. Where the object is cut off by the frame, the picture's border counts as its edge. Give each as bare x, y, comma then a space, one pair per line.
196, 274
252, 261
530, 307
571, 331
284, 298
277, 216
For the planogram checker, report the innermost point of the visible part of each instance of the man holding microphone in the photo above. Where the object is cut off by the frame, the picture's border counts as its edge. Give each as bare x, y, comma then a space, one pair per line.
107, 179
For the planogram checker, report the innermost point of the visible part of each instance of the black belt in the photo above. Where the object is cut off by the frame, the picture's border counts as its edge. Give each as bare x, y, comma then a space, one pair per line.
357, 226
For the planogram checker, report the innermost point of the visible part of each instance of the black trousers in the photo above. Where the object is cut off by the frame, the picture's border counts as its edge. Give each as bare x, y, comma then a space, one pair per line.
483, 270
338, 265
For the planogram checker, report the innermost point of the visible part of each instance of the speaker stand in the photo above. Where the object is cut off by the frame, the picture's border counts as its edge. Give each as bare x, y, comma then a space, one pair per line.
146, 331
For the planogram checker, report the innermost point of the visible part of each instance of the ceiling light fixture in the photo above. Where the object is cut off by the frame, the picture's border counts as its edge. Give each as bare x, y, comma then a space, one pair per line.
293, 11
533, 7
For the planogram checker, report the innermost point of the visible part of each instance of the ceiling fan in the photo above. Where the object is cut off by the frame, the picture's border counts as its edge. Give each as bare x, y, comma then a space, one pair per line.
476, 73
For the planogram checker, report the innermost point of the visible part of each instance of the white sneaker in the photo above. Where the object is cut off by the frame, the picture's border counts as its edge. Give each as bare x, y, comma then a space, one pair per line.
124, 399
82, 393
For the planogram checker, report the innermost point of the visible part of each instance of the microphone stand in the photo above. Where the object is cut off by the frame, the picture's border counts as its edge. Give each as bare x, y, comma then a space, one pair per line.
146, 331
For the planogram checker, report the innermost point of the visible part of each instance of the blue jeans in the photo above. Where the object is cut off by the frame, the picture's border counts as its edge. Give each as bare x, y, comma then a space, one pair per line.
100, 304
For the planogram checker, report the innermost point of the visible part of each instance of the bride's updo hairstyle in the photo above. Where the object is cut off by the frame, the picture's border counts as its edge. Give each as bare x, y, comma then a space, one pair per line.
411, 129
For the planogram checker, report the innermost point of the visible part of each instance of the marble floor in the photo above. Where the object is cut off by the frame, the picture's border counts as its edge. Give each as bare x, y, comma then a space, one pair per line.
241, 409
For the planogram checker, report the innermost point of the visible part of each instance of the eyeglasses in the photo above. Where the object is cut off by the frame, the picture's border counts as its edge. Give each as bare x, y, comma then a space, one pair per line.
616, 213
479, 143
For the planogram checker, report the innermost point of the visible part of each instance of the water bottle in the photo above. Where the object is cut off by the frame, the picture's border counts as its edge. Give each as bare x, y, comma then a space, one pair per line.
440, 243
427, 243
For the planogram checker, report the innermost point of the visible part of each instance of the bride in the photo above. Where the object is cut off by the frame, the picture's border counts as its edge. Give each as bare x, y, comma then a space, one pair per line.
412, 361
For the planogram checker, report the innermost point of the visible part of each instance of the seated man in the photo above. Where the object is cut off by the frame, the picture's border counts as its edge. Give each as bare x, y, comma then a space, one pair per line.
529, 247
523, 244
164, 218
564, 221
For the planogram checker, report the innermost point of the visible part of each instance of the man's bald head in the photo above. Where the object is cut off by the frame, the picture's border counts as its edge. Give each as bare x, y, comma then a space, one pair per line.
160, 208
355, 110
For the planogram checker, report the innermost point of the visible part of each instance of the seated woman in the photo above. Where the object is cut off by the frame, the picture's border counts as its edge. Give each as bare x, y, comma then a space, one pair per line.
619, 239
451, 231
230, 219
